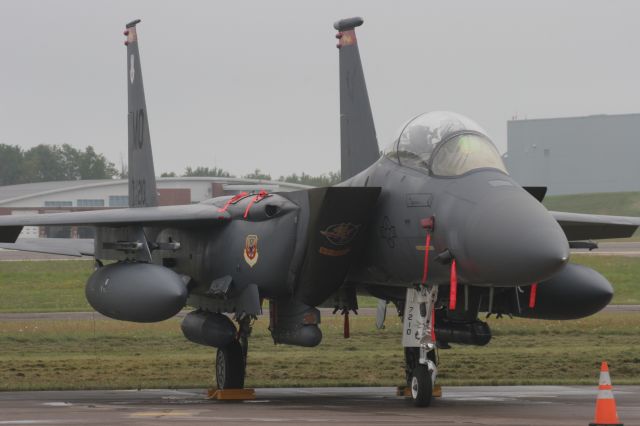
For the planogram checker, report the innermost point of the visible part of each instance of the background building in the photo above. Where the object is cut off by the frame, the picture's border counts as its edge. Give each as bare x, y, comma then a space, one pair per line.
599, 153
78, 195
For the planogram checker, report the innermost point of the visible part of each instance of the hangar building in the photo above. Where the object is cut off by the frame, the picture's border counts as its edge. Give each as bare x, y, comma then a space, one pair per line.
78, 195
598, 153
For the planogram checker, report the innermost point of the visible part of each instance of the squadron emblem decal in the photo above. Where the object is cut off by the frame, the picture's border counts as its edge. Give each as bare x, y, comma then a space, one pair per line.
251, 250
341, 234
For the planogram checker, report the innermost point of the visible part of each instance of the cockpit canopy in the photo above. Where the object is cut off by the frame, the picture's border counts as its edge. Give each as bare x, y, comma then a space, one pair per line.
444, 143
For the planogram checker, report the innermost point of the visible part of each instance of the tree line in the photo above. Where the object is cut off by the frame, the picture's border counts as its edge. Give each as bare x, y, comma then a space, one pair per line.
325, 179
44, 163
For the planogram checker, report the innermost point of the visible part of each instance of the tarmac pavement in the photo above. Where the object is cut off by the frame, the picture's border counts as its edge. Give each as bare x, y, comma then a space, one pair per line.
629, 249
468, 405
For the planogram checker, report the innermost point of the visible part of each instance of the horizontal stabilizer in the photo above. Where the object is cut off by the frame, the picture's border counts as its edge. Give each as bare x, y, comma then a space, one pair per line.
65, 246
578, 226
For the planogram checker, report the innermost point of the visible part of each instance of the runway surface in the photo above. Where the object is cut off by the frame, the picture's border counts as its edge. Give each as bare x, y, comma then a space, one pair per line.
631, 249
469, 405
14, 255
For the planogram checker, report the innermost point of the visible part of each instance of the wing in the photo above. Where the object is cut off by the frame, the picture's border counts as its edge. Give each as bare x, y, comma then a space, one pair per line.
66, 246
189, 215
578, 226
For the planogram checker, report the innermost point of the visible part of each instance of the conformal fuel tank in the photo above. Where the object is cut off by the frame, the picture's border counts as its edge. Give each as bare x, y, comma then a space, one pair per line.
139, 292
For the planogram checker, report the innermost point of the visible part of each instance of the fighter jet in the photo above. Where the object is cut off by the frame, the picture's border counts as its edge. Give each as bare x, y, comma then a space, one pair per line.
433, 224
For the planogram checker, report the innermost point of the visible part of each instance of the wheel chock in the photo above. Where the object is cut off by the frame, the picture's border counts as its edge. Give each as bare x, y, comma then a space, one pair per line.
437, 391
231, 394
406, 391
403, 391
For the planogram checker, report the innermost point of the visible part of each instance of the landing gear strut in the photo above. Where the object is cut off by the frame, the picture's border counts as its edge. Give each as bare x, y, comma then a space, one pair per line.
419, 344
231, 360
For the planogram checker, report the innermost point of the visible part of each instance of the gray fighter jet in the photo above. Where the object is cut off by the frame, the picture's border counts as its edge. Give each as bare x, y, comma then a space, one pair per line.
433, 224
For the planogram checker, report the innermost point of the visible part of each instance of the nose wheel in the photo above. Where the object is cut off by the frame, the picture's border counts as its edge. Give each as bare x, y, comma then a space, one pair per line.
421, 386
418, 339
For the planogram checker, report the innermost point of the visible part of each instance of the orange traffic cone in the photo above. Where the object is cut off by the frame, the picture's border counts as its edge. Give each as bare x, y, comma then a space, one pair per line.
606, 413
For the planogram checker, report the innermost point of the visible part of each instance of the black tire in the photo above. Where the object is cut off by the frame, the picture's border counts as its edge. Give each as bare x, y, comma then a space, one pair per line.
230, 366
421, 386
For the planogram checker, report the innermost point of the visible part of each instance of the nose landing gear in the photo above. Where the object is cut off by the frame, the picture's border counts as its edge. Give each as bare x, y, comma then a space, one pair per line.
418, 339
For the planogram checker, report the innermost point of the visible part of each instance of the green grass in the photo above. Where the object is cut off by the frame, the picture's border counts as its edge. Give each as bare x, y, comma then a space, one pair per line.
56, 286
111, 354
622, 272
39, 354
44, 286
616, 203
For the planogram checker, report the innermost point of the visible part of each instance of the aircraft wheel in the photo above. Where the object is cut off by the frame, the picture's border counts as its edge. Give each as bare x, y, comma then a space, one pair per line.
230, 366
421, 386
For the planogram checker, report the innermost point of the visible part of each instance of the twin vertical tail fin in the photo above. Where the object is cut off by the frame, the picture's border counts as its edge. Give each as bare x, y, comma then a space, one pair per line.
142, 178
358, 142
359, 146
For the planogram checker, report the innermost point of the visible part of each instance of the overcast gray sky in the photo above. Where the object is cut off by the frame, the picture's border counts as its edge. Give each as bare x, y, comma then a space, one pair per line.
246, 84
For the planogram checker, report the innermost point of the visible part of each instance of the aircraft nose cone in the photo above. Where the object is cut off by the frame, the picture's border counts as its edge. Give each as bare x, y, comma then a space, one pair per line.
511, 239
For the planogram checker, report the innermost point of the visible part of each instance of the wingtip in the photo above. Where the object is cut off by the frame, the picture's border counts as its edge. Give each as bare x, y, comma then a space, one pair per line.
348, 23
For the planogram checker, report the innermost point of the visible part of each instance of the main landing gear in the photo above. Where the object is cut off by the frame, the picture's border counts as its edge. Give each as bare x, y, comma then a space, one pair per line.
231, 360
230, 366
418, 339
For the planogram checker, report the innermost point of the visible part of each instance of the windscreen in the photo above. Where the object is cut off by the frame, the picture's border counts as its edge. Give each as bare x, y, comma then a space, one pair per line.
419, 137
464, 153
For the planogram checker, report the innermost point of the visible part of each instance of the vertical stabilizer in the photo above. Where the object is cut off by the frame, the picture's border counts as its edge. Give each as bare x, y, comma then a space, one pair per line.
142, 178
358, 143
